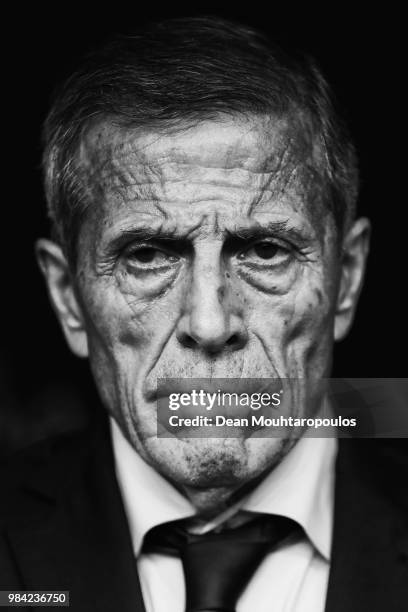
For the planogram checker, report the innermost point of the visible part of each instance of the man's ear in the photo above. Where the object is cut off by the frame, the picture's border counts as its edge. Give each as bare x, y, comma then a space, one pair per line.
62, 294
354, 256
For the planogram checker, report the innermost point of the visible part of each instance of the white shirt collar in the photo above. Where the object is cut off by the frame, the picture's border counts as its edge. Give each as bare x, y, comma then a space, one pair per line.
149, 499
301, 487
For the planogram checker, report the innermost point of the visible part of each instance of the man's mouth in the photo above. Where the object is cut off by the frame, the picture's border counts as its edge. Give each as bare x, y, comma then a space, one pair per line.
216, 407
165, 387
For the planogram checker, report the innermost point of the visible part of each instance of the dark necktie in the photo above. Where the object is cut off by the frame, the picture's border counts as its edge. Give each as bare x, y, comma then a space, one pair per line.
218, 566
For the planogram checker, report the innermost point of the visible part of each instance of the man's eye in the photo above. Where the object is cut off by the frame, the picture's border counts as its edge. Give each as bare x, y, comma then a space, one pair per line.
265, 251
145, 255
149, 257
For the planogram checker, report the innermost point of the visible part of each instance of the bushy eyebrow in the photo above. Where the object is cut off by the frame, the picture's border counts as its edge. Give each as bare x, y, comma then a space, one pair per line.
145, 233
272, 228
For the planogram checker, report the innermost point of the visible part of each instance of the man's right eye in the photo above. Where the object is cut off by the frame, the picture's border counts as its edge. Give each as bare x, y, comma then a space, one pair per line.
144, 255
149, 258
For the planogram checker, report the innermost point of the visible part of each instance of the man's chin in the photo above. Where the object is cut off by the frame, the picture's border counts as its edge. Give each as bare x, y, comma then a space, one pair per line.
214, 462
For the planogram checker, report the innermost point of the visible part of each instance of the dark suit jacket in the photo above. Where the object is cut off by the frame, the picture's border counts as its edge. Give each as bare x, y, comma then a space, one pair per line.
63, 526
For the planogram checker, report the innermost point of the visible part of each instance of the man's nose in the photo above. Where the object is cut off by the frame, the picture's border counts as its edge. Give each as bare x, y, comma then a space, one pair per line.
211, 320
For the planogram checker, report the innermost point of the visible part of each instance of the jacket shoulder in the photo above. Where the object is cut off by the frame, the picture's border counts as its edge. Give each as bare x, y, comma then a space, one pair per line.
42, 468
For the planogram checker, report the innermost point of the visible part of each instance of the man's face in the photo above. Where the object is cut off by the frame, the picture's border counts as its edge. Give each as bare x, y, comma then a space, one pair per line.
208, 253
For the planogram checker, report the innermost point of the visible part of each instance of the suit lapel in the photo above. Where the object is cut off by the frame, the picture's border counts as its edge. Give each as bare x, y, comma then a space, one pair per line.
80, 541
76, 537
369, 570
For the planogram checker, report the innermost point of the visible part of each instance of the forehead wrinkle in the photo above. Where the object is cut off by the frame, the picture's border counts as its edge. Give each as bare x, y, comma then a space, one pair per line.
174, 183
182, 212
119, 167
267, 144
129, 170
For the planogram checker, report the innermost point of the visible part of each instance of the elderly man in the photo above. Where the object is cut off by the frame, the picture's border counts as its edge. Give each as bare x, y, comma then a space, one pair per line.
202, 194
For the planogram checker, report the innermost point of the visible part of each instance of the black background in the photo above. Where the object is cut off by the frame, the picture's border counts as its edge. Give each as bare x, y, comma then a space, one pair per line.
361, 53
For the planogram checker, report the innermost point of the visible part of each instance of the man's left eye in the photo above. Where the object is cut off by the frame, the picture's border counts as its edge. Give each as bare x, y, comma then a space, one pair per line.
265, 251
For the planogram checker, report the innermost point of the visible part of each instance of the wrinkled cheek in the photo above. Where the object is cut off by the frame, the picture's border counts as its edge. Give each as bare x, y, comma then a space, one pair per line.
297, 331
308, 339
126, 336
146, 324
